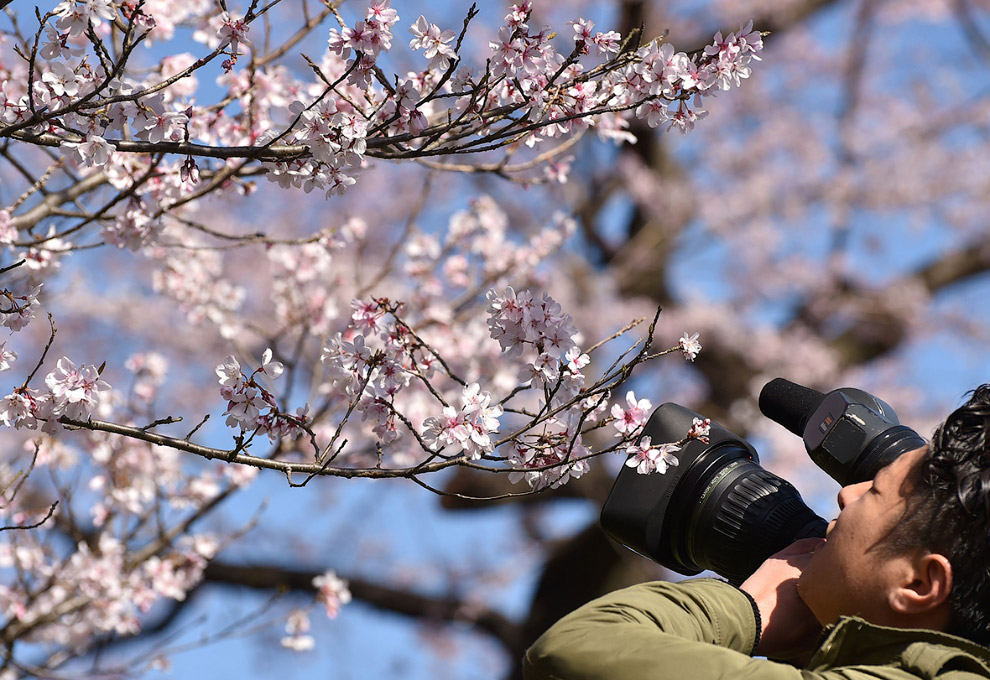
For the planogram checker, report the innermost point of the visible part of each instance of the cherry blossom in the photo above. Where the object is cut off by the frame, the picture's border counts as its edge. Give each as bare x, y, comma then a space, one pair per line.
689, 346
7, 356
519, 320
468, 429
16, 311
332, 592
700, 429
75, 392
76, 15
95, 152
647, 457
272, 369
297, 625
61, 80
551, 458
433, 42
18, 409
232, 32
632, 418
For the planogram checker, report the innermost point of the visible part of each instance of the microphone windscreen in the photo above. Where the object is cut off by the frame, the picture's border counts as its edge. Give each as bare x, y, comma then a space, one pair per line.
789, 404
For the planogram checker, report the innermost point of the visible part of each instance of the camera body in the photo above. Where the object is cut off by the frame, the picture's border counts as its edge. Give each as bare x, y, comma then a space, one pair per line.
718, 509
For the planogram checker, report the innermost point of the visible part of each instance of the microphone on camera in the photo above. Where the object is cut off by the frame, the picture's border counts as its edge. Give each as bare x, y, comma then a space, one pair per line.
849, 433
789, 404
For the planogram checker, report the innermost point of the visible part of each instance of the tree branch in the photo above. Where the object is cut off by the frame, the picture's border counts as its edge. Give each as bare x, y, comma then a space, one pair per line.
386, 598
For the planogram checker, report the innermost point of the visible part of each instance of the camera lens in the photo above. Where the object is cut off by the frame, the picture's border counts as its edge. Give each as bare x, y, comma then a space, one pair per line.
716, 510
743, 514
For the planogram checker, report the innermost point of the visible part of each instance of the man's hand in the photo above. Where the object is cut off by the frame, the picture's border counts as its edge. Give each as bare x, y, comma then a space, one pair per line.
790, 630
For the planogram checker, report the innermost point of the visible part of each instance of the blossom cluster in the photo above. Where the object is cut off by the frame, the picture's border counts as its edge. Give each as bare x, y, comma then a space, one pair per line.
377, 359
538, 330
555, 455
95, 591
250, 406
71, 392
305, 277
333, 117
17, 311
331, 592
468, 429
519, 322
648, 457
558, 454
677, 80
700, 429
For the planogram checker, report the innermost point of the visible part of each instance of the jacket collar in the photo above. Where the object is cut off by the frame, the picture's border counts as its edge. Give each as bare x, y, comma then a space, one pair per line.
853, 641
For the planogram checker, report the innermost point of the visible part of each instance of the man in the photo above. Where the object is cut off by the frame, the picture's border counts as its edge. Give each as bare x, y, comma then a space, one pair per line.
900, 589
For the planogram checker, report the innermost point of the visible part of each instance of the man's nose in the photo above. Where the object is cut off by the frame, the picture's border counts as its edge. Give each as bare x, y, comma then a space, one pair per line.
851, 492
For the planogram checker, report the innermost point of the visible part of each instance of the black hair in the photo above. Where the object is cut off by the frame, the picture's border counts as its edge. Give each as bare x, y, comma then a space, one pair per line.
949, 512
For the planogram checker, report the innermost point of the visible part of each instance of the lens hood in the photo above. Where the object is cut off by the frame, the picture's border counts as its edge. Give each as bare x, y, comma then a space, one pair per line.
639, 512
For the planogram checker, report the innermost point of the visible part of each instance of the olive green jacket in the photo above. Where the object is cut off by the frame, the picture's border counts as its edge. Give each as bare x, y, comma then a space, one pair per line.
705, 629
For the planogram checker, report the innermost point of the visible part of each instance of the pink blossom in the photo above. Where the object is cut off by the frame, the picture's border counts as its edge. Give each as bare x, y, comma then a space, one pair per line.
56, 45
231, 377
272, 369
61, 80
19, 409
519, 14
731, 56
95, 152
332, 592
467, 430
654, 111
700, 429
519, 319
249, 405
689, 346
607, 43
685, 116
297, 625
75, 15
133, 229
381, 12
647, 457
233, 30
576, 360
433, 42
8, 232
556, 457
75, 391
543, 371
6, 356
582, 29
366, 315
158, 125
445, 430
630, 419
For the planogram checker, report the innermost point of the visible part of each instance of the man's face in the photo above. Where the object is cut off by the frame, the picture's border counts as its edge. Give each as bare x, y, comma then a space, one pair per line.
851, 574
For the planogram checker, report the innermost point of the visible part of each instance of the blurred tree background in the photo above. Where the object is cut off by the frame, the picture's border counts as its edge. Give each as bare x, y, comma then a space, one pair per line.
827, 222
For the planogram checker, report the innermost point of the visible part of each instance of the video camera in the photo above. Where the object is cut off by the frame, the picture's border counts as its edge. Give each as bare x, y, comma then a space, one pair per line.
718, 509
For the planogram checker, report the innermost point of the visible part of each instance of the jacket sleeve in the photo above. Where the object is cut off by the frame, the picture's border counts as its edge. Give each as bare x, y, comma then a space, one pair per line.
702, 628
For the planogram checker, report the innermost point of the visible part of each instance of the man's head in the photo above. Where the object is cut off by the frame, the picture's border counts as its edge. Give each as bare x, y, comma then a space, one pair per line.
911, 548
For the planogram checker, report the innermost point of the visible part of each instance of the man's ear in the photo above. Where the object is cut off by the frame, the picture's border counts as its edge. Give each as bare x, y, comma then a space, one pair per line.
925, 586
